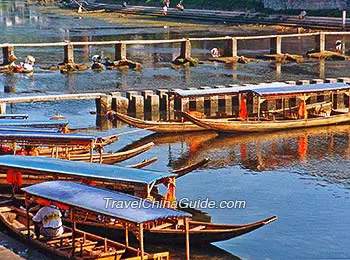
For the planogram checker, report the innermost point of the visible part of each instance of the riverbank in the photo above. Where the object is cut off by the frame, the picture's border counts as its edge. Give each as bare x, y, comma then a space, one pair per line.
225, 17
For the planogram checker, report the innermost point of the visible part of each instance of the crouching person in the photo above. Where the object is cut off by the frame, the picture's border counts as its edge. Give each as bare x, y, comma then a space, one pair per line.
48, 222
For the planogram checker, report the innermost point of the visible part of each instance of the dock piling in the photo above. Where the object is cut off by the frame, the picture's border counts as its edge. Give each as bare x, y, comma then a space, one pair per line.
185, 52
68, 54
6, 53
120, 51
276, 45
320, 40
230, 47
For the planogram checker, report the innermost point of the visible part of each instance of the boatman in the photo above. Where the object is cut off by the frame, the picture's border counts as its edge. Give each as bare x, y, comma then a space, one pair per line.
48, 222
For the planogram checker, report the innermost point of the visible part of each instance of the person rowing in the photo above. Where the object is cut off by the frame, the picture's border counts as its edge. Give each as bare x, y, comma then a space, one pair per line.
27, 66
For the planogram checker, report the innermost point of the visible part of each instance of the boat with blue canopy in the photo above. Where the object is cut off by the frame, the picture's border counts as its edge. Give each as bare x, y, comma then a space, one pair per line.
34, 123
285, 108
78, 201
13, 116
27, 170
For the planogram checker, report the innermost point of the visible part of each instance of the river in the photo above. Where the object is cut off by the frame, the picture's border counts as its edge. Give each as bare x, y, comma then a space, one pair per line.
301, 176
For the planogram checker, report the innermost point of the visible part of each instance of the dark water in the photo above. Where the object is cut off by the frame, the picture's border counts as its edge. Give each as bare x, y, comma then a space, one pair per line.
302, 176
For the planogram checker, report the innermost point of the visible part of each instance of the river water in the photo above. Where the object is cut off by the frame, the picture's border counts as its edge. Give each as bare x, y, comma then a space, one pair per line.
301, 176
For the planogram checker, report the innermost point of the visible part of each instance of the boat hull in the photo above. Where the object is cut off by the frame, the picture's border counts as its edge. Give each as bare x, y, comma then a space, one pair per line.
227, 125
160, 127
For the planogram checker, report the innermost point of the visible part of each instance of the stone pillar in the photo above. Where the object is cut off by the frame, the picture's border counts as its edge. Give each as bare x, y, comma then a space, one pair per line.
130, 94
184, 104
3, 108
291, 82
214, 105
136, 106
120, 51
200, 104
146, 93
320, 41
6, 53
276, 45
152, 104
339, 100
185, 49
317, 81
163, 99
303, 82
121, 105
68, 54
228, 105
103, 105
330, 80
230, 47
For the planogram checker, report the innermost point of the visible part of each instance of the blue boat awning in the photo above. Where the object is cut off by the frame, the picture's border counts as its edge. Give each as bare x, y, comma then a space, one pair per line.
33, 123
99, 200
299, 89
103, 172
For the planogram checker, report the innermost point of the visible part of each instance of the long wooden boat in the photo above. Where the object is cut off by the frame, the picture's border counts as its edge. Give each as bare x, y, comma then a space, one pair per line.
239, 126
112, 158
159, 126
189, 168
77, 244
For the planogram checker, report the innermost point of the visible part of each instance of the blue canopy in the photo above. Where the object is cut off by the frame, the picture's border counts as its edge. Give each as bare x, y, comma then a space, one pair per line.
21, 116
33, 123
129, 208
309, 88
43, 135
29, 129
103, 172
231, 89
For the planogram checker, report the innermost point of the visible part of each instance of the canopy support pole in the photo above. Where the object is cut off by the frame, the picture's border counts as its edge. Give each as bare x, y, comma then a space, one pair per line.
305, 109
141, 241
187, 239
27, 215
73, 233
14, 148
91, 151
258, 108
126, 236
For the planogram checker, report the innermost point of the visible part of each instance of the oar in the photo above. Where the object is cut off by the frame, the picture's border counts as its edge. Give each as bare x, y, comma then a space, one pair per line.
125, 133
80, 5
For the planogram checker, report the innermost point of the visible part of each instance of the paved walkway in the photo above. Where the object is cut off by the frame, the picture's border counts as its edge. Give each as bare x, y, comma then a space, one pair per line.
229, 17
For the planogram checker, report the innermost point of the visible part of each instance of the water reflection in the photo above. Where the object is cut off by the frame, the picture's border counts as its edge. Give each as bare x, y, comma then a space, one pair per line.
312, 152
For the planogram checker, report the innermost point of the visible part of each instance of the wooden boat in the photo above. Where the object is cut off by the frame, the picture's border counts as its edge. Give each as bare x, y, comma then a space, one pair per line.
144, 163
77, 244
111, 158
262, 124
187, 169
159, 126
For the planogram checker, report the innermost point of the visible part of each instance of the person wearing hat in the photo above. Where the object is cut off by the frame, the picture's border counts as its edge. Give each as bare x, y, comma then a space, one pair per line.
28, 64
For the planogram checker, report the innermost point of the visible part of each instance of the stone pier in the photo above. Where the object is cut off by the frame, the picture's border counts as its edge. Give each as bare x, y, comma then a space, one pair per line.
6, 53
68, 54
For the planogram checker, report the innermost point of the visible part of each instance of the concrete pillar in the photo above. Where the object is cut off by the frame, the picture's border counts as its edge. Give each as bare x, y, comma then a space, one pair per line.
214, 105
320, 41
276, 45
120, 51
6, 53
184, 104
136, 106
185, 49
121, 104
163, 99
130, 94
330, 80
317, 81
3, 108
291, 82
171, 108
146, 93
200, 104
303, 82
68, 54
103, 105
230, 47
339, 100
344, 80
152, 103
228, 105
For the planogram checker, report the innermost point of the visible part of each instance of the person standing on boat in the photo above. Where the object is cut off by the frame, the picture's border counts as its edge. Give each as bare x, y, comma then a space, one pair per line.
48, 222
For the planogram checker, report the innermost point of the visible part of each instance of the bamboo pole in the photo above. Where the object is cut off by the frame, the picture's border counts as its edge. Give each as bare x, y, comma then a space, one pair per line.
126, 236
187, 234
259, 108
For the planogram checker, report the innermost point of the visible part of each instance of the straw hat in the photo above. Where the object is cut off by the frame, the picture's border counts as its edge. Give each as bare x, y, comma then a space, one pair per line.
31, 58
